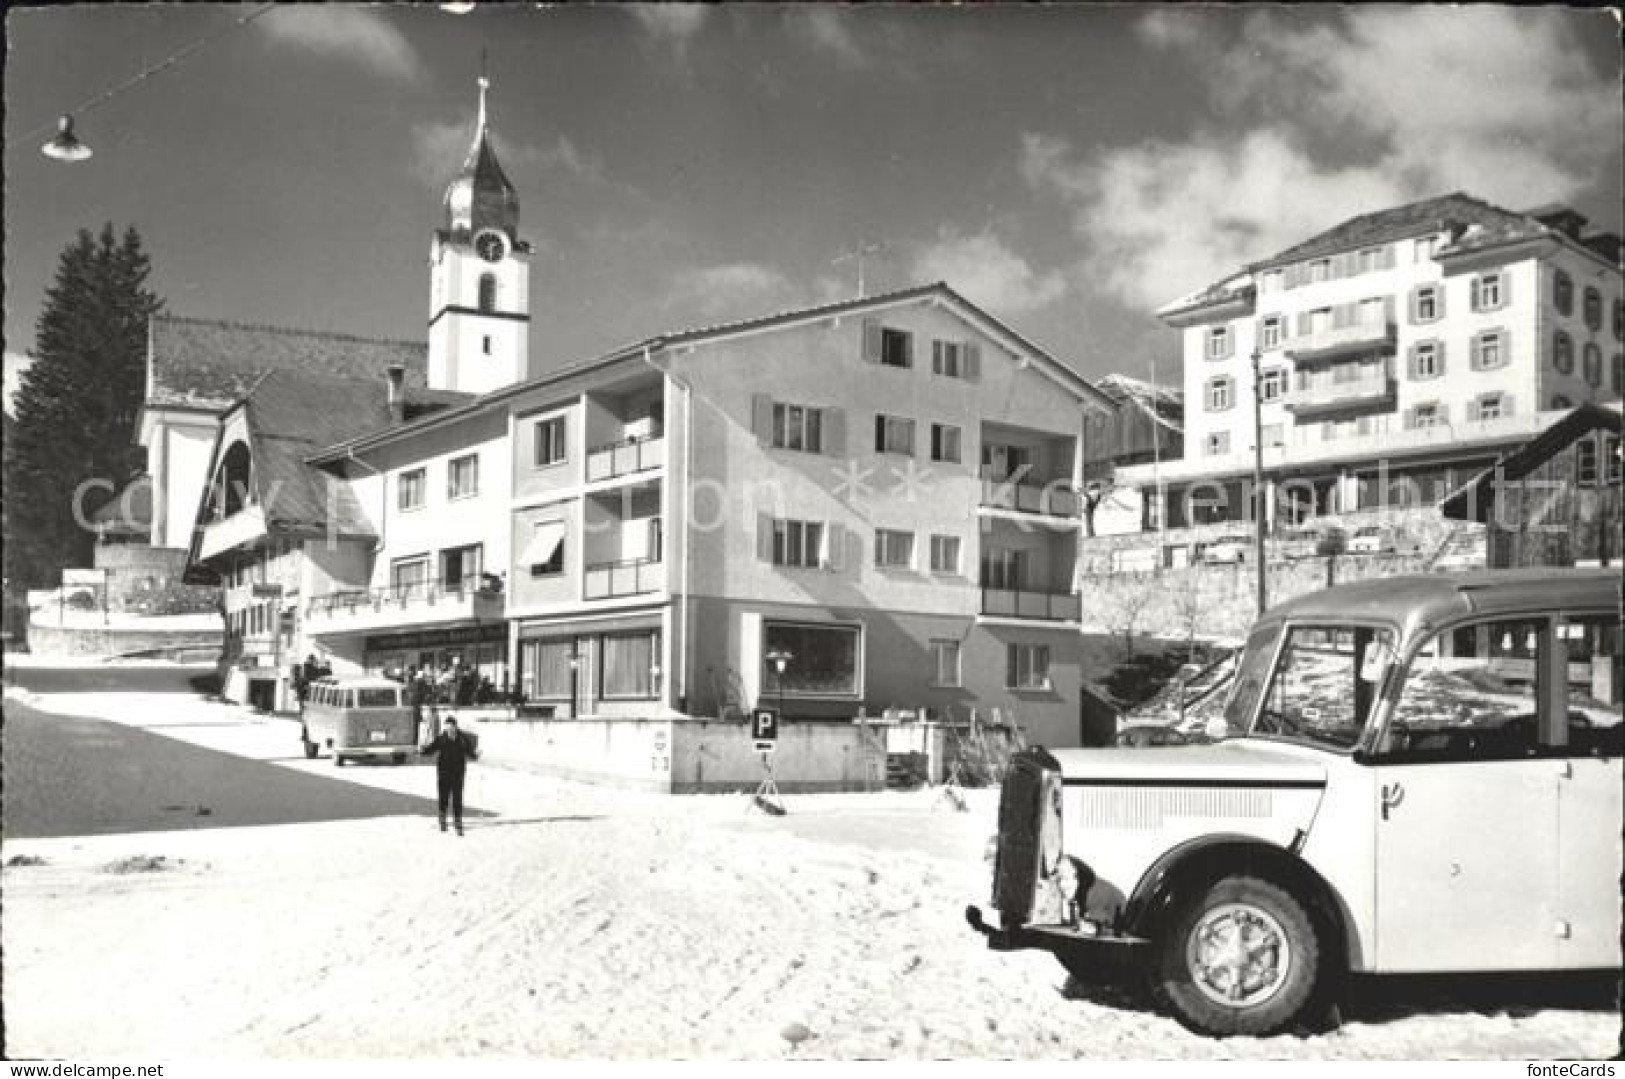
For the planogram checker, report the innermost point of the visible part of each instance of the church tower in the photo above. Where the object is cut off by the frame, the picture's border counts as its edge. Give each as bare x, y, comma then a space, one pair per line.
479, 294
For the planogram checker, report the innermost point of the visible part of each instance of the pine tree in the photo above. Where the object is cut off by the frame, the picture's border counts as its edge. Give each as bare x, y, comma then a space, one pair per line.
76, 405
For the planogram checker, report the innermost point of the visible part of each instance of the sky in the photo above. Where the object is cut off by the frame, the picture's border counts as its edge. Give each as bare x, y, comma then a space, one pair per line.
1068, 168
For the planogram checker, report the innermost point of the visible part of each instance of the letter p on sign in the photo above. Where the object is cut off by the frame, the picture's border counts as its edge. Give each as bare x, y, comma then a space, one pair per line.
764, 728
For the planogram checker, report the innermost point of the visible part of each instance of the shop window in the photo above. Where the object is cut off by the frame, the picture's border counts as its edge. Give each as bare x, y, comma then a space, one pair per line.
825, 660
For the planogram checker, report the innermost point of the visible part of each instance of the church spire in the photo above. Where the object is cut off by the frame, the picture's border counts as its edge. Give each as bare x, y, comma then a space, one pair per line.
481, 197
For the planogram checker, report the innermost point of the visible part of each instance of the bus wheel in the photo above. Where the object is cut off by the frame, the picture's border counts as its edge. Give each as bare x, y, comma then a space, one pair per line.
310, 747
1241, 958
338, 759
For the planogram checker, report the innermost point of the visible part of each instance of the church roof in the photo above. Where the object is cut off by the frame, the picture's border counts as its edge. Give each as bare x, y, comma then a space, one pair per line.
207, 364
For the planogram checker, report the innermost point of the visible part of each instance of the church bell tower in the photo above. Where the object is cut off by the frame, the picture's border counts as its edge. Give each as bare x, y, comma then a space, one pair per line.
479, 294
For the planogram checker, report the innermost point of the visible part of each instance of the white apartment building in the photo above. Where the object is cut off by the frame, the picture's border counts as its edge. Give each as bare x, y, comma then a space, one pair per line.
1396, 355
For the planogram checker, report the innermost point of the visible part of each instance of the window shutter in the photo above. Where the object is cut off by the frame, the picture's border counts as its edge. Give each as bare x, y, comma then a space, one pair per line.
936, 357
1229, 341
970, 361
1292, 277
1386, 259
1506, 290
1506, 348
1473, 301
1411, 307
1438, 300
1410, 364
1305, 323
834, 546
908, 350
1438, 362
1472, 353
761, 418
764, 537
880, 433
1229, 394
871, 341
834, 432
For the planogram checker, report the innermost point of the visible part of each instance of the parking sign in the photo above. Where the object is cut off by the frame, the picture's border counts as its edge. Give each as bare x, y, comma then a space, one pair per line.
765, 729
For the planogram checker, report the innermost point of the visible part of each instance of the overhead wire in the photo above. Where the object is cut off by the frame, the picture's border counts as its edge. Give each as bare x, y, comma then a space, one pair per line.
95, 101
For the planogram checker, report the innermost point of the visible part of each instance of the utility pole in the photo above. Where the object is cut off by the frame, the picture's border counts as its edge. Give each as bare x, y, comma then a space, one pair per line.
1258, 481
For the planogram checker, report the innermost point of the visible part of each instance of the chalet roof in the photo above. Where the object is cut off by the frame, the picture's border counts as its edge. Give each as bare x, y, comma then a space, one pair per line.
1475, 499
201, 363
291, 414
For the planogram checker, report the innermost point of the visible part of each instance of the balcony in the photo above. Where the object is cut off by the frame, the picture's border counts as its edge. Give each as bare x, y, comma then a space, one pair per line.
400, 606
1038, 606
626, 457
1055, 499
1320, 397
226, 533
1344, 342
630, 577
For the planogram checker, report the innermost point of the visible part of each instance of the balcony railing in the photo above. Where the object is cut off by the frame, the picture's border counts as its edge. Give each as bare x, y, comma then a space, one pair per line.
631, 577
435, 599
1342, 342
1322, 396
1021, 603
1055, 499
612, 459
239, 529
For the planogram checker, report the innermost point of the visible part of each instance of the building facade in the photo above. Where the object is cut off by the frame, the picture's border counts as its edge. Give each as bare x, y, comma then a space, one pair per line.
1395, 356
881, 496
884, 492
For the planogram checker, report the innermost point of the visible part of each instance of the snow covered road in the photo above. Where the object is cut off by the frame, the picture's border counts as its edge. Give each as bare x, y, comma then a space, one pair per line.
581, 922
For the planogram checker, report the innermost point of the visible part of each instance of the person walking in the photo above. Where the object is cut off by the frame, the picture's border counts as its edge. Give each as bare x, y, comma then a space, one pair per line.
452, 750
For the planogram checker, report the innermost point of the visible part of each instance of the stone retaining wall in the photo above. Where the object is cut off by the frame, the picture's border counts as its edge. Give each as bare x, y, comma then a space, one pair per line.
51, 640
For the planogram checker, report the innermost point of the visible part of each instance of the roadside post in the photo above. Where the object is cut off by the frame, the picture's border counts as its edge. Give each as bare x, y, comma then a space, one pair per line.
764, 723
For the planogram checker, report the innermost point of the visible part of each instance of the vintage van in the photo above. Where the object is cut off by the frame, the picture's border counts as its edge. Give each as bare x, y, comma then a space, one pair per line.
1416, 774
358, 717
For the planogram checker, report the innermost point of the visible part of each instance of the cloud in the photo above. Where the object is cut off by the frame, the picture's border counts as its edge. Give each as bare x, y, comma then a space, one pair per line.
358, 34
988, 273
828, 29
670, 24
1169, 28
438, 150
732, 290
1319, 119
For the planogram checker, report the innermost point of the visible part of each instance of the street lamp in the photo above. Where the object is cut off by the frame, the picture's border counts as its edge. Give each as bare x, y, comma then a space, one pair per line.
575, 674
780, 658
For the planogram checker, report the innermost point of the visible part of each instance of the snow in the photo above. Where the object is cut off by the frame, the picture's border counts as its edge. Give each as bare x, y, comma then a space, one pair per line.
582, 922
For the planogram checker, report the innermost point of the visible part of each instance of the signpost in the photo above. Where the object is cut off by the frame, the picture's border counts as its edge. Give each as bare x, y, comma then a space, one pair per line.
764, 724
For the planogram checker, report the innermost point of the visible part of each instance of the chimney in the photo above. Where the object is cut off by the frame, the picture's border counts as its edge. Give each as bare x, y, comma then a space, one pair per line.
396, 374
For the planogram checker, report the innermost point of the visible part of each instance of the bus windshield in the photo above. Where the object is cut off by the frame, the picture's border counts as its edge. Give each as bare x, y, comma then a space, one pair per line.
1325, 684
377, 698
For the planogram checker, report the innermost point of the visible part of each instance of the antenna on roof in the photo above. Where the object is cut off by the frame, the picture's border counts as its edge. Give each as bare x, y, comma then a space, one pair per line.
857, 254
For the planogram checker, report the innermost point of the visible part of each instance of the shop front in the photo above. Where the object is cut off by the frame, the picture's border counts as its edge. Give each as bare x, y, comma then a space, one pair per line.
477, 655
609, 667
